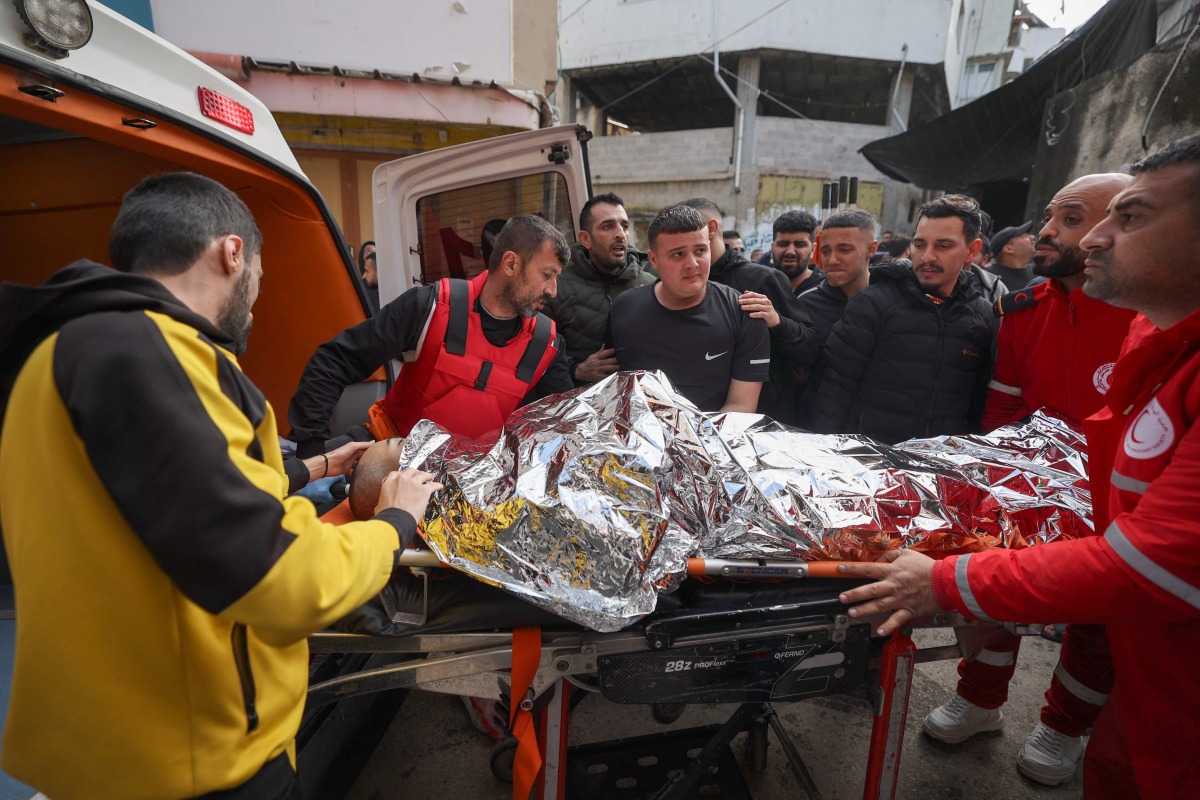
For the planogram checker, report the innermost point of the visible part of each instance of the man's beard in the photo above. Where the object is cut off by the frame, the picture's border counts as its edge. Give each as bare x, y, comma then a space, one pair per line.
793, 270
1070, 261
235, 318
609, 262
524, 305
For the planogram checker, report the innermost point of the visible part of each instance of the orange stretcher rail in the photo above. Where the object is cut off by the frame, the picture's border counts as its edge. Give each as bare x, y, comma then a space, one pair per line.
726, 568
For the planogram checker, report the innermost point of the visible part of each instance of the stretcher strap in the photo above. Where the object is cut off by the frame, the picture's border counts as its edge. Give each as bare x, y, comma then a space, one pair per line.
526, 653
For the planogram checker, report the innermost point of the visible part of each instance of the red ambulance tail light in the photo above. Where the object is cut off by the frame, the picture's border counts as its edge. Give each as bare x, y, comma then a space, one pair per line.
220, 108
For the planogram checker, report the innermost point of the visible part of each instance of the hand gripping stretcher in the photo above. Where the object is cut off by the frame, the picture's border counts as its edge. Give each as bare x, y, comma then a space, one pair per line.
749, 643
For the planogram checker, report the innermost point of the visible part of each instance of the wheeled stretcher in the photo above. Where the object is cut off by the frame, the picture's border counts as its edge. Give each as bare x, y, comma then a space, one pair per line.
749, 643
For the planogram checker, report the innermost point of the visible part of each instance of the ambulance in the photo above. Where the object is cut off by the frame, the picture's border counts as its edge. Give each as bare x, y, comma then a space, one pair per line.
91, 103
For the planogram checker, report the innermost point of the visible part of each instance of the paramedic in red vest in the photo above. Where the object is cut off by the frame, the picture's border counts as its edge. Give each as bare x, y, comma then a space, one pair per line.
1141, 576
473, 351
1056, 350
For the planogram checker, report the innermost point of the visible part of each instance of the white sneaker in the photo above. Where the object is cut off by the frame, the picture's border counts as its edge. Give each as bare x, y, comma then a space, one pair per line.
487, 715
960, 719
1048, 756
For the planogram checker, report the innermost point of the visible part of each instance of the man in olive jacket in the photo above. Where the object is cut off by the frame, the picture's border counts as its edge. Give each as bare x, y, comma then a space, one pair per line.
602, 267
912, 354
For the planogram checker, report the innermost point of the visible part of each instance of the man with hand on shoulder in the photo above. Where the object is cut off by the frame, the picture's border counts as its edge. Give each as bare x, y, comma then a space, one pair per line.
765, 295
690, 328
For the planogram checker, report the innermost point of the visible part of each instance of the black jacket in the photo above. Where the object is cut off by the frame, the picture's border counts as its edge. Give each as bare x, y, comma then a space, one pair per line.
824, 305
899, 365
794, 342
29, 314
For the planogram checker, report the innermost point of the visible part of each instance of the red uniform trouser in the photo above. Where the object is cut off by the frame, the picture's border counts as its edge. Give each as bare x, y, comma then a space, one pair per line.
1107, 768
1078, 690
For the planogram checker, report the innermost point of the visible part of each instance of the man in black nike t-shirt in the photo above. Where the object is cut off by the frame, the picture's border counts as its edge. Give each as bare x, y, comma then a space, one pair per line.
714, 353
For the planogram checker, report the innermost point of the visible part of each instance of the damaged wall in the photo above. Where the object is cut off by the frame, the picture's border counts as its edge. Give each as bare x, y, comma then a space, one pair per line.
1097, 127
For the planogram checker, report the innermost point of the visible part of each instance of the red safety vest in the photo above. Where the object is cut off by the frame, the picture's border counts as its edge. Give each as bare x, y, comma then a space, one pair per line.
460, 380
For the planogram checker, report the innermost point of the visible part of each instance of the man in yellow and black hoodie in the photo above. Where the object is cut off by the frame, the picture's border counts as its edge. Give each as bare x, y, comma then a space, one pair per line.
165, 585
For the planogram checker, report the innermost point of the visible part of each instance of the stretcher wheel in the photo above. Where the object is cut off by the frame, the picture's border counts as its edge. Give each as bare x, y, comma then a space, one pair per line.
504, 753
756, 747
666, 713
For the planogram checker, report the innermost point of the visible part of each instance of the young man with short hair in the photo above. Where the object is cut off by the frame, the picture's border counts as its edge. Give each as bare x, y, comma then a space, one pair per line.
791, 249
847, 247
912, 353
766, 295
690, 328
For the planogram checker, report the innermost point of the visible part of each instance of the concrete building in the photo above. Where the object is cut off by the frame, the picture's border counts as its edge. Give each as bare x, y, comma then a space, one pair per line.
1003, 44
354, 85
757, 103
1120, 86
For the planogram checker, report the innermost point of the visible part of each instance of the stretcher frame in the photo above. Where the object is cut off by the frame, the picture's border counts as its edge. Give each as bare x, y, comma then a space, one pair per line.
478, 664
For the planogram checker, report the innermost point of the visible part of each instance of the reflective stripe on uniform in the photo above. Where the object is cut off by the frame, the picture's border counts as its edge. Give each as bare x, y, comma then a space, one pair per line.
964, 588
1128, 484
994, 659
1078, 689
1149, 570
1015, 391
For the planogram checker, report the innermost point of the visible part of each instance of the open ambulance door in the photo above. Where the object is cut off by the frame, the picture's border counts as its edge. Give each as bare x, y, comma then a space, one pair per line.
435, 212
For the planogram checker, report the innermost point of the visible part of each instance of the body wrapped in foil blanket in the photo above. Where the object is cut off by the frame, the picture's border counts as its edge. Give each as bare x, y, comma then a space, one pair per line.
590, 502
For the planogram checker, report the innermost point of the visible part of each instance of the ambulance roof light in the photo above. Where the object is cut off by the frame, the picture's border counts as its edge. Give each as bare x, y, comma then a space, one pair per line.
56, 26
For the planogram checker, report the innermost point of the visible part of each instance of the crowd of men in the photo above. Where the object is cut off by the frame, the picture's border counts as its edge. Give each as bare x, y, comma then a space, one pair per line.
127, 369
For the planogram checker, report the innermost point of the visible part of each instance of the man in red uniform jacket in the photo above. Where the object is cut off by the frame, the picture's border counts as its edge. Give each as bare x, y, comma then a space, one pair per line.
1141, 578
1056, 350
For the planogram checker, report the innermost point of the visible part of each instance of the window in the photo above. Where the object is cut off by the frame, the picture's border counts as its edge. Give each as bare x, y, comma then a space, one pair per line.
979, 80
457, 227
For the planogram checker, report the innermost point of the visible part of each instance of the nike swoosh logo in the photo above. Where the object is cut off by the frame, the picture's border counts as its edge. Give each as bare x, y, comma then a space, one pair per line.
707, 357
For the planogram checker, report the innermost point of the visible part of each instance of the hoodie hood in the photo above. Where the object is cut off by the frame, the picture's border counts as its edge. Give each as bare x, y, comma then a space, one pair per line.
581, 260
729, 262
28, 314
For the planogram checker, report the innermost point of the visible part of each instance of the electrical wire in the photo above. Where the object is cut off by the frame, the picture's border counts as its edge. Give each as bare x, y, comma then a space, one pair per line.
1166, 80
687, 58
582, 6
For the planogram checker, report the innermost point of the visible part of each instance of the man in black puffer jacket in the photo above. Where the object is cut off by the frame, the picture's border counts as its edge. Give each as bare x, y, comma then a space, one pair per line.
912, 354
767, 295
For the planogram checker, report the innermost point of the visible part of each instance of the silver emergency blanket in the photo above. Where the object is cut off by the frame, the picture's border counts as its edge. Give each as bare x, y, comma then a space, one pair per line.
590, 502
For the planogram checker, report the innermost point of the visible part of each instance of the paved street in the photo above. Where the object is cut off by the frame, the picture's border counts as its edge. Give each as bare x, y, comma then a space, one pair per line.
432, 750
